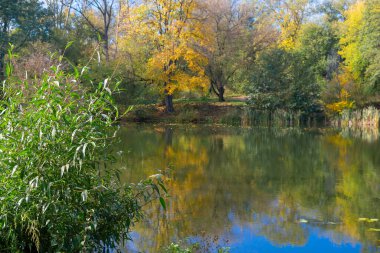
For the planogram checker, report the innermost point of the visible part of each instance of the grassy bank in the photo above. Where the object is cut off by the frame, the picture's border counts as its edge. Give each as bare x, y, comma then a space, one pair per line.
235, 112
238, 113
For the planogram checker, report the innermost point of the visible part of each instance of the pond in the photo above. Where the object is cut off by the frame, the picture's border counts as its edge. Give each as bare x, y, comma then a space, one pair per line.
257, 190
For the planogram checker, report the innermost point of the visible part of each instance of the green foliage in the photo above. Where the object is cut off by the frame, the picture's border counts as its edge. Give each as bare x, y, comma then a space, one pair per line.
132, 90
56, 195
359, 42
370, 44
315, 44
280, 81
29, 19
20, 22
81, 49
268, 82
293, 79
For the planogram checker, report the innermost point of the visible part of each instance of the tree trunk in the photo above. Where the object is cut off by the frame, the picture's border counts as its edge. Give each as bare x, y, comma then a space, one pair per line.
169, 102
106, 47
3, 49
221, 93
2, 66
2, 70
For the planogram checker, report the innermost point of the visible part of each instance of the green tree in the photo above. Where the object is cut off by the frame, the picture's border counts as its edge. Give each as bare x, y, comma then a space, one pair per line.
317, 44
21, 21
279, 81
269, 86
293, 78
371, 43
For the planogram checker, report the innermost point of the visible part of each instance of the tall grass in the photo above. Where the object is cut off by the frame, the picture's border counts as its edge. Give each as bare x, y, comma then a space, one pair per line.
359, 118
55, 196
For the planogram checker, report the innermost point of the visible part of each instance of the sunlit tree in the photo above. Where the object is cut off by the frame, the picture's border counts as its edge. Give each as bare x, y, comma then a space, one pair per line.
168, 29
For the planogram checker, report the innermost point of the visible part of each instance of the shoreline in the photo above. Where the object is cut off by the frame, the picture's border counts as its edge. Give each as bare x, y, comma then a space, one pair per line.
233, 114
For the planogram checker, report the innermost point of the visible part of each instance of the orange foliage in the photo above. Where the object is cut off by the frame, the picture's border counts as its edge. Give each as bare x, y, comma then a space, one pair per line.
168, 33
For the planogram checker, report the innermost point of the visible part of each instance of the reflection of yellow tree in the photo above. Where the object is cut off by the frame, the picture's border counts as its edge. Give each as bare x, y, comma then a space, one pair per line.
200, 191
187, 154
357, 189
280, 177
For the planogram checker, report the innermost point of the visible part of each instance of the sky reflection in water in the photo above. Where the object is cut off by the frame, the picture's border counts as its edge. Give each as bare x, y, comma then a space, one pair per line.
257, 190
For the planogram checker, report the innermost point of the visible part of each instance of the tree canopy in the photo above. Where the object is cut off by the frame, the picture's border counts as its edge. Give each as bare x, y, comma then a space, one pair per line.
325, 54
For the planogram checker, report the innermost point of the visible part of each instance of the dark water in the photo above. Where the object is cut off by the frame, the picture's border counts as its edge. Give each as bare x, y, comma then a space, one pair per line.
257, 190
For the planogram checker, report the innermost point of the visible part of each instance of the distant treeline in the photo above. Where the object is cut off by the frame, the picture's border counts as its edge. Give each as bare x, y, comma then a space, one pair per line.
295, 55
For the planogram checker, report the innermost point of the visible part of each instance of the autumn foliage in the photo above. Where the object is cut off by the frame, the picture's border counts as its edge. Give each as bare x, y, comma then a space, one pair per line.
283, 54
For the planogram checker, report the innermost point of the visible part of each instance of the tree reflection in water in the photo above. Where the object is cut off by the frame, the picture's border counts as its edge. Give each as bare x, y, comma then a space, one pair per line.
289, 186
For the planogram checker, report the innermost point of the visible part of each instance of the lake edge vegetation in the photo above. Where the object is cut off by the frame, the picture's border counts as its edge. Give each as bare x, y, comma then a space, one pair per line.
55, 192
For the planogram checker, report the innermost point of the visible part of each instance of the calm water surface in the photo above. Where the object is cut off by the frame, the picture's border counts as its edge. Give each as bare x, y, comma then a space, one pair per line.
257, 190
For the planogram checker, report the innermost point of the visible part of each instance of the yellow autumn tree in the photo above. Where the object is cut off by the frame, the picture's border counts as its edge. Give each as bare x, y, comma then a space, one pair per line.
290, 15
162, 35
350, 41
360, 35
351, 70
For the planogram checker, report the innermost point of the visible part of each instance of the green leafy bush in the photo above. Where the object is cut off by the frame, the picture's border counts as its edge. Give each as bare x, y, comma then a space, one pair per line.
278, 81
55, 193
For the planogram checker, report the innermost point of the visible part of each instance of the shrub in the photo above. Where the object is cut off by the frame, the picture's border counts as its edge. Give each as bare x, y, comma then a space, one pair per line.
188, 114
55, 193
343, 104
34, 60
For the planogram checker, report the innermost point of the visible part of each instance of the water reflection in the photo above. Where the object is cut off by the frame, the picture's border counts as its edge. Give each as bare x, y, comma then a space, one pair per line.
257, 190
